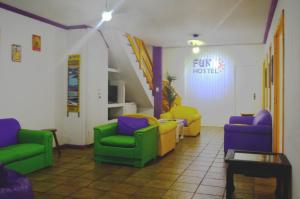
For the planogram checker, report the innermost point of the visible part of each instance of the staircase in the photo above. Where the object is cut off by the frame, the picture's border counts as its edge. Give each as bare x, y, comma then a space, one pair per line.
129, 55
140, 51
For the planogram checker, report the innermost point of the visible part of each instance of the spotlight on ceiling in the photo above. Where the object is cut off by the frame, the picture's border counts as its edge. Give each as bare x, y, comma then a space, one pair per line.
195, 43
196, 50
106, 15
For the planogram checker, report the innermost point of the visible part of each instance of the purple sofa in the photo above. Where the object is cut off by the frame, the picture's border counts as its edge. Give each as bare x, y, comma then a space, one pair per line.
249, 133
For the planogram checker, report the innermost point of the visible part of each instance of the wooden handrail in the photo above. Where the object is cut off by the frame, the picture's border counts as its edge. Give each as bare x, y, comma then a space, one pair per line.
139, 49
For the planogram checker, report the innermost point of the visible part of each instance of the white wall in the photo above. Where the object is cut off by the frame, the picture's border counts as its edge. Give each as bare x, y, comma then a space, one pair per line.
27, 88
292, 82
93, 87
213, 94
35, 90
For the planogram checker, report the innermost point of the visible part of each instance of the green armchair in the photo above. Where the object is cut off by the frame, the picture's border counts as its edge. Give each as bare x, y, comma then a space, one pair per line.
133, 150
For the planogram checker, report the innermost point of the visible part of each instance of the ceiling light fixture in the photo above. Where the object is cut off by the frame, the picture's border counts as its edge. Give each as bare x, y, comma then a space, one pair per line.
195, 43
106, 14
196, 50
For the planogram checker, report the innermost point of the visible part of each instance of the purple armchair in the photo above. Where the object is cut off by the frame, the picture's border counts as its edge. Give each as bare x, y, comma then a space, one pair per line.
249, 133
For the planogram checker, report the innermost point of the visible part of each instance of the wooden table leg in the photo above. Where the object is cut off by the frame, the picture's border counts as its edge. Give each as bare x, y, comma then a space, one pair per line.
56, 143
286, 183
53, 131
229, 183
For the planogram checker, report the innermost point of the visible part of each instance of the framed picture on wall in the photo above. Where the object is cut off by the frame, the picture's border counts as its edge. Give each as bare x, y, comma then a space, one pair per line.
73, 103
16, 53
36, 43
272, 70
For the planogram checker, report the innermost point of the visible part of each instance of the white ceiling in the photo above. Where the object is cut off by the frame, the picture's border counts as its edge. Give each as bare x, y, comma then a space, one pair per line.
167, 23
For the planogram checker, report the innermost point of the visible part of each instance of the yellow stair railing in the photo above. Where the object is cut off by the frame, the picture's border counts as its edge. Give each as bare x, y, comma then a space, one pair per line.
139, 49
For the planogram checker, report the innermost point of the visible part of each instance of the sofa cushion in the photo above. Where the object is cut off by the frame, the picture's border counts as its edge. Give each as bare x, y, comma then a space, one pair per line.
9, 129
17, 152
128, 125
263, 117
119, 141
167, 126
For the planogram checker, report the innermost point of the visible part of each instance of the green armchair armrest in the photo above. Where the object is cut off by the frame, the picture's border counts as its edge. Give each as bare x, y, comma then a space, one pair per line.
38, 137
102, 131
149, 135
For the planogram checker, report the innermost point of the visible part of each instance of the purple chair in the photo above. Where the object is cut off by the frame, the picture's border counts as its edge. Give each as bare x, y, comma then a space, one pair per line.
14, 185
249, 133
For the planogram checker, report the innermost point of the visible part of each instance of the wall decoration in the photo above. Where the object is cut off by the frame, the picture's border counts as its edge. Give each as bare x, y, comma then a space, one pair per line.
272, 70
16, 53
208, 65
36, 43
73, 84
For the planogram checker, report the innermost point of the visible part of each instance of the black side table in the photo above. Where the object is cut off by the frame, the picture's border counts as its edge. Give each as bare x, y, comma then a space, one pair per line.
259, 164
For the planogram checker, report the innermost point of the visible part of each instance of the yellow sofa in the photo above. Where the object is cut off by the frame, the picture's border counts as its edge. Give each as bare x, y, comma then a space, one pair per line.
167, 133
190, 114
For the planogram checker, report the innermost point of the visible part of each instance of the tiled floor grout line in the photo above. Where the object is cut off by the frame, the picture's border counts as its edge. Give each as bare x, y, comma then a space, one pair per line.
190, 165
205, 172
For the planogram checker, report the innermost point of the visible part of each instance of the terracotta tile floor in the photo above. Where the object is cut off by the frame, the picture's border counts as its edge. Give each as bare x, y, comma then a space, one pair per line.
195, 169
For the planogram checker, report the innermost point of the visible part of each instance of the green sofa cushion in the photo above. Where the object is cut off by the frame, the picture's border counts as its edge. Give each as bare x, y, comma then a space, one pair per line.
19, 151
119, 141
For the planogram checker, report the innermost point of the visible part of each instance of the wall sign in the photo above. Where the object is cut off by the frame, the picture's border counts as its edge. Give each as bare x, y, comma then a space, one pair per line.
73, 84
208, 65
16, 53
36, 43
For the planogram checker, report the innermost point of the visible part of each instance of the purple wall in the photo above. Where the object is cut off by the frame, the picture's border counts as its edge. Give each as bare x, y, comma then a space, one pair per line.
157, 80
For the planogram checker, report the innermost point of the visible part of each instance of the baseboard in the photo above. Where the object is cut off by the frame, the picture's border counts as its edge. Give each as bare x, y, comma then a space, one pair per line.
75, 146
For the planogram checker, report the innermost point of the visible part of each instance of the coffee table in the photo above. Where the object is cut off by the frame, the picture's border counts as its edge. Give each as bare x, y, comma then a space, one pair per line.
259, 164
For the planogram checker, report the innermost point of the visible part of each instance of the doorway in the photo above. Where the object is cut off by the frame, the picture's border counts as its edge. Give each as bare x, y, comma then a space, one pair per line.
247, 90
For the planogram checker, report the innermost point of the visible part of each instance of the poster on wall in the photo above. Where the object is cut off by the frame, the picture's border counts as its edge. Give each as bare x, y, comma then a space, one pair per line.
16, 53
73, 84
36, 43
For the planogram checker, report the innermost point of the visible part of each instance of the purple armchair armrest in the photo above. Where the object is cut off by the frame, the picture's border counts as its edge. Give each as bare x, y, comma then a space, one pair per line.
258, 129
241, 119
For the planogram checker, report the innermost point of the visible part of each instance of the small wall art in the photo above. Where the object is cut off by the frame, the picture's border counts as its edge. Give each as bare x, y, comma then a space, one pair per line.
73, 103
16, 53
36, 43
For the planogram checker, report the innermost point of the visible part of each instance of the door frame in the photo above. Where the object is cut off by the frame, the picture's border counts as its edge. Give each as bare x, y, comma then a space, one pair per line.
278, 82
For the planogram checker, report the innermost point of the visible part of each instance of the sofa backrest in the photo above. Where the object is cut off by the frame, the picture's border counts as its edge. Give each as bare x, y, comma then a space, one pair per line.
183, 111
151, 120
263, 117
9, 129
